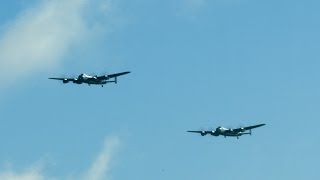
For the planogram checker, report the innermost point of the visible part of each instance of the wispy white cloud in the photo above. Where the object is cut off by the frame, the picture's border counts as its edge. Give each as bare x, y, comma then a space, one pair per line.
194, 3
97, 171
30, 174
191, 7
100, 167
39, 38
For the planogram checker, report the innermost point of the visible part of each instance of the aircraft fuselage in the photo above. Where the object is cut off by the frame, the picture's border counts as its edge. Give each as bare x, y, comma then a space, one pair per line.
229, 132
83, 78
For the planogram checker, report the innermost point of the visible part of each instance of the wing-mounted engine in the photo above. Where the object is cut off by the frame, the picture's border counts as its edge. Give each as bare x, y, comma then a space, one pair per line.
65, 81
214, 133
78, 81
203, 133
104, 77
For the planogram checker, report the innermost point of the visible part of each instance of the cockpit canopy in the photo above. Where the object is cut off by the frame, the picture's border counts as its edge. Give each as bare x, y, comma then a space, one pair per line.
84, 76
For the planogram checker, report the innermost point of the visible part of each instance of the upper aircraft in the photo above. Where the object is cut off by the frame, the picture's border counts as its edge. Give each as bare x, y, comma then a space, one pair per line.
98, 80
229, 132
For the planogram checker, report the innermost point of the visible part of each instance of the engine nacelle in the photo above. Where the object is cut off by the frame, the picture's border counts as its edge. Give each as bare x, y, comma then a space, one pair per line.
65, 81
214, 133
77, 81
203, 133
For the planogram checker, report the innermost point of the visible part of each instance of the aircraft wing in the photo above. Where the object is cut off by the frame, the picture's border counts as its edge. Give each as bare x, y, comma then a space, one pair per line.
250, 127
65, 80
195, 131
106, 77
247, 128
201, 132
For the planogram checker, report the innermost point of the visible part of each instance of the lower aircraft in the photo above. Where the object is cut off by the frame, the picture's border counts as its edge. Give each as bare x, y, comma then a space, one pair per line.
98, 80
229, 132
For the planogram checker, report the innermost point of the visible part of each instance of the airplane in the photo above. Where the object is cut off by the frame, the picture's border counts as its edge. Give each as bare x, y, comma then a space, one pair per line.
98, 80
228, 131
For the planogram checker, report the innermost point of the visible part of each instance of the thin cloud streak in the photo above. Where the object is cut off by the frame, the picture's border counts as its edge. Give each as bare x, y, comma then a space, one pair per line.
101, 166
195, 3
191, 7
97, 171
32, 174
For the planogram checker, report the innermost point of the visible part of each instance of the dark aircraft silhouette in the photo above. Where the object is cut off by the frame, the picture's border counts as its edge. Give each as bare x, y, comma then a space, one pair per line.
98, 80
229, 132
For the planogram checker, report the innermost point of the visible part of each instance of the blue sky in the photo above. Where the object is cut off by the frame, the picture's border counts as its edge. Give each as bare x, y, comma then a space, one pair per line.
196, 64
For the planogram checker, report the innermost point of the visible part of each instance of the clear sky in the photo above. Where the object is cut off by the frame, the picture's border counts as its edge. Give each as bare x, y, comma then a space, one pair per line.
196, 65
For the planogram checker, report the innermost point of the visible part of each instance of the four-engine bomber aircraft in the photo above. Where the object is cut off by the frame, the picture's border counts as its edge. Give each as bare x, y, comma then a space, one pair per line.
229, 132
98, 80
